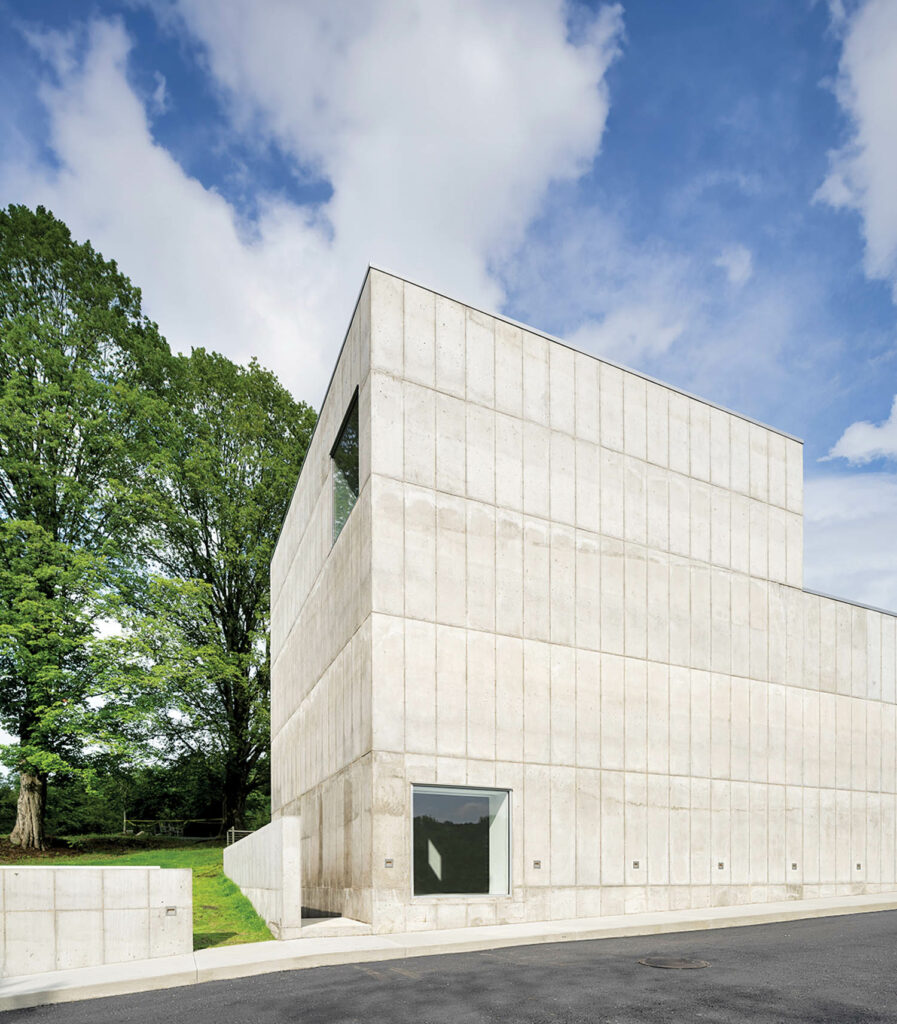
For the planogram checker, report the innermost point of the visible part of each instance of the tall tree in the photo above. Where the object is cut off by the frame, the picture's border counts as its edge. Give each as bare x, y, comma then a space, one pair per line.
75, 350
226, 467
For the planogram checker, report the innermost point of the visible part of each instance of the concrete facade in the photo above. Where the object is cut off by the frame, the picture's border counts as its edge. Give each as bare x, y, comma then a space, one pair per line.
266, 866
585, 587
57, 918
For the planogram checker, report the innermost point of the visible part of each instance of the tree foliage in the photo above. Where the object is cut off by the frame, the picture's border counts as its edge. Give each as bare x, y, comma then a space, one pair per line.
223, 476
76, 353
141, 491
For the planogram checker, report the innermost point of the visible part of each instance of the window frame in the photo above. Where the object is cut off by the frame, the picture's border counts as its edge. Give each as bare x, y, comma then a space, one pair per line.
350, 409
480, 790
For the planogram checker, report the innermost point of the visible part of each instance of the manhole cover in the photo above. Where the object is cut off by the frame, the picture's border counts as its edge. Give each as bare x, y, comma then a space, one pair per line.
673, 963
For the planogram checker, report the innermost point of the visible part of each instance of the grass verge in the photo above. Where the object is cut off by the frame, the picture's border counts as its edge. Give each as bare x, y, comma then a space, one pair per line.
222, 916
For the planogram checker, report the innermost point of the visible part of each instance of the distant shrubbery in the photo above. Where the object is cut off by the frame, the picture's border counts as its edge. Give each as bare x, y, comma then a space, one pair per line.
186, 789
114, 842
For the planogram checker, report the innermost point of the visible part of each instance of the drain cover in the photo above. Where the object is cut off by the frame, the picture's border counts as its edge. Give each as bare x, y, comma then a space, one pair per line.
673, 963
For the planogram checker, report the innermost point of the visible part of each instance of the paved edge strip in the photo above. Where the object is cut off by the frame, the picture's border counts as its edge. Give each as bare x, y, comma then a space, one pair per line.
231, 962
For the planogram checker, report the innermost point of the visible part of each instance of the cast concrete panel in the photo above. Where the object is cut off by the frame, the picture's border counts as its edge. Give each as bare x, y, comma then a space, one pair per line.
57, 918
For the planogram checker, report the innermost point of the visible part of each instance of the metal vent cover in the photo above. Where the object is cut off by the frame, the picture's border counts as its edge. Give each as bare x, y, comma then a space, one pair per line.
674, 963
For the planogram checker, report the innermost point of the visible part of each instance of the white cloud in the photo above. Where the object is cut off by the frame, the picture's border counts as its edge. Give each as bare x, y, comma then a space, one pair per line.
652, 306
580, 273
862, 173
439, 127
737, 262
864, 441
630, 334
205, 280
850, 537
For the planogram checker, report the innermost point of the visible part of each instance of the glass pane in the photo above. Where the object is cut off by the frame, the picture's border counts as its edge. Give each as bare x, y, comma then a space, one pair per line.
460, 841
345, 470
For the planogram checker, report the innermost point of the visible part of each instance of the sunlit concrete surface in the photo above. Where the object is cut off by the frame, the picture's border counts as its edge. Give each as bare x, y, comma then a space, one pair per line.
265, 865
57, 918
570, 582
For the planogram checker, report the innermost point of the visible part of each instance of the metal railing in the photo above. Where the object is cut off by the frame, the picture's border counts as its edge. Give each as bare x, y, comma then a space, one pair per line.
234, 835
174, 827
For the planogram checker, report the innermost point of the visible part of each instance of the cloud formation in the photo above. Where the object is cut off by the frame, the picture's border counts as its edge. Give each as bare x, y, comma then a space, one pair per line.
862, 173
850, 537
207, 279
863, 441
438, 126
850, 525
579, 274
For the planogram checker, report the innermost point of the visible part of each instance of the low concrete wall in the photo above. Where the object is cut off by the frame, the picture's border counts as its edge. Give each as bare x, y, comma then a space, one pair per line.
55, 918
266, 867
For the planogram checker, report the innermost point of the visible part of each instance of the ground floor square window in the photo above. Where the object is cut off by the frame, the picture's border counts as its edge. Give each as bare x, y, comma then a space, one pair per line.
461, 841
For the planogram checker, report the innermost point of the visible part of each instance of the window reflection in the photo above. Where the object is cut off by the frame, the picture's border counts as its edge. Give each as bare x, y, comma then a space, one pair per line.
345, 469
460, 841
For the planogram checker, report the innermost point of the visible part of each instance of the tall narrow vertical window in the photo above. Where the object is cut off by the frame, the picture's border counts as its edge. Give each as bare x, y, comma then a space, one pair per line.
461, 841
344, 456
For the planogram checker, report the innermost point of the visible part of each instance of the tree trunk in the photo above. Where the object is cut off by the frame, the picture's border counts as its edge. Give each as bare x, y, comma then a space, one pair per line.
29, 830
233, 797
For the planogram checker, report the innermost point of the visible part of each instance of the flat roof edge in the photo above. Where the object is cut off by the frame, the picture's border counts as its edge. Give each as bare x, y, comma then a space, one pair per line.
601, 359
854, 604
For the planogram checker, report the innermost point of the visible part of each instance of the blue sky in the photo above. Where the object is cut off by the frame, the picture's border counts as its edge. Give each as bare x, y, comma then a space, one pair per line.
700, 190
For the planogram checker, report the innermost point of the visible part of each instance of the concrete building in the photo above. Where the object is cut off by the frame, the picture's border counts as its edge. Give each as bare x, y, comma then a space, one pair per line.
540, 647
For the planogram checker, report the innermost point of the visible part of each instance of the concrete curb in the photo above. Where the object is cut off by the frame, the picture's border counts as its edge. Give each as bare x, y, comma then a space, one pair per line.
94, 982
254, 958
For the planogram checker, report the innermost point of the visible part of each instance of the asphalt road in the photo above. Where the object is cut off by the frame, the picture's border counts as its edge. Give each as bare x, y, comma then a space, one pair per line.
836, 969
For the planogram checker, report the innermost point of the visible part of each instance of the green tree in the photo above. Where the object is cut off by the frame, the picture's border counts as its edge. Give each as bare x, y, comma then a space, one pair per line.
75, 354
223, 477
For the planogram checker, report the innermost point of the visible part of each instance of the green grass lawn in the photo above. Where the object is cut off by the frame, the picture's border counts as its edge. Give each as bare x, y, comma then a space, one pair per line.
222, 916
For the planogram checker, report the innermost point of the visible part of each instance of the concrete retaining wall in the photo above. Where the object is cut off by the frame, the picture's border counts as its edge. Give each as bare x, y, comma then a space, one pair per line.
55, 918
266, 866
